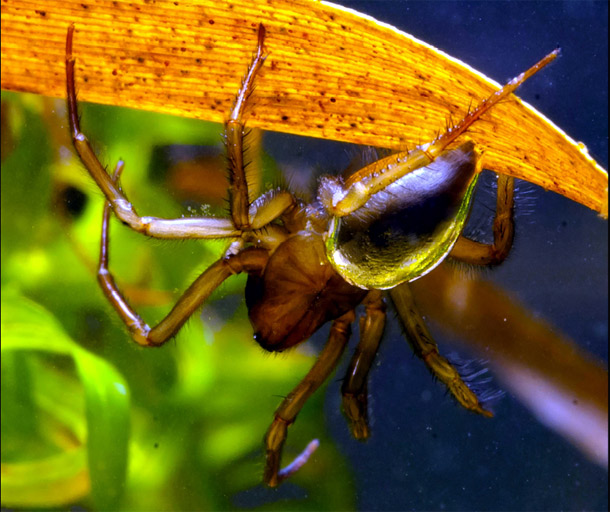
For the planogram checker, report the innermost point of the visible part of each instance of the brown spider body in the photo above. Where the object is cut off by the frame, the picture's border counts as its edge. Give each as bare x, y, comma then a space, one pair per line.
297, 293
383, 226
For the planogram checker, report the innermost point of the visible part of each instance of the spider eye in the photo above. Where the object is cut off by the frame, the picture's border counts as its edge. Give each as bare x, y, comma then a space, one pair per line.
407, 229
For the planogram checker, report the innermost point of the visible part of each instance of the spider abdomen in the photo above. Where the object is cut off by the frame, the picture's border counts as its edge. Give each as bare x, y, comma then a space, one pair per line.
408, 228
297, 293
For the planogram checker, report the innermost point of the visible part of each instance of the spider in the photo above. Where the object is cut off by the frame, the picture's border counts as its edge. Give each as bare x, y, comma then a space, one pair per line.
387, 224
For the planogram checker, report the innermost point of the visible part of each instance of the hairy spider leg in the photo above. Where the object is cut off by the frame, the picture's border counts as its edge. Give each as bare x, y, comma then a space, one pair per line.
234, 140
194, 227
477, 253
426, 349
344, 198
287, 412
354, 388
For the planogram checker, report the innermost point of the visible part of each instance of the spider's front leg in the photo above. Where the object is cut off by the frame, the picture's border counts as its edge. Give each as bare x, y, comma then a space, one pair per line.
177, 229
287, 412
235, 135
343, 198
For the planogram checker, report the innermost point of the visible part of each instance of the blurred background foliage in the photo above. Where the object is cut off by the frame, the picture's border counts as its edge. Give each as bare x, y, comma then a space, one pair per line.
199, 406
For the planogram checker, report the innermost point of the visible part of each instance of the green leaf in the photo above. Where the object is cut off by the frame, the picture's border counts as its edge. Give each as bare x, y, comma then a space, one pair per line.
62, 477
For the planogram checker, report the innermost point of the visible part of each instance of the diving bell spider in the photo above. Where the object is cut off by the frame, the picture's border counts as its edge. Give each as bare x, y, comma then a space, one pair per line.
307, 264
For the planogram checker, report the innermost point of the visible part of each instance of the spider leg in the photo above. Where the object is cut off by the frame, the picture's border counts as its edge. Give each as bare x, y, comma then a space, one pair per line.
287, 412
249, 260
426, 349
234, 140
152, 226
354, 389
341, 199
269, 207
477, 253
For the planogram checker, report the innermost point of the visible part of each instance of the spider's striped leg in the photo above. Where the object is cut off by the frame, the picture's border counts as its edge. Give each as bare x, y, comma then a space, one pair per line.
235, 135
354, 387
477, 253
425, 348
287, 412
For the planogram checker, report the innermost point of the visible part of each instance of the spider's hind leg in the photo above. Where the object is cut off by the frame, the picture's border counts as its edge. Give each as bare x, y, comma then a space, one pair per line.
426, 349
235, 135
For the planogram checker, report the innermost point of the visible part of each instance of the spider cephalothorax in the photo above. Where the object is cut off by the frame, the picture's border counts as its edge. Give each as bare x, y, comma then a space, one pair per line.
308, 264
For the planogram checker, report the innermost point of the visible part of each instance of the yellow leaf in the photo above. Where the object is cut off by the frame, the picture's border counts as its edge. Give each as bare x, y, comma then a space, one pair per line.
331, 73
